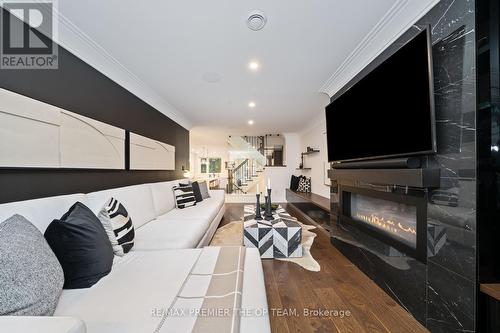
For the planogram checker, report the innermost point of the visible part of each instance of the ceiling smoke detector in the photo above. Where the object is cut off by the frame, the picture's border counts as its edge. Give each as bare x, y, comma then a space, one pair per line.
256, 20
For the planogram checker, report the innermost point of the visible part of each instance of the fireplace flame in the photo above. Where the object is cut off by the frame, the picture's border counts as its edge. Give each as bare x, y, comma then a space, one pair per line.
388, 225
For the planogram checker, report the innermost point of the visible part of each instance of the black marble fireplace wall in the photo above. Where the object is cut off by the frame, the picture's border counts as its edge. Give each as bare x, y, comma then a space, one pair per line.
441, 293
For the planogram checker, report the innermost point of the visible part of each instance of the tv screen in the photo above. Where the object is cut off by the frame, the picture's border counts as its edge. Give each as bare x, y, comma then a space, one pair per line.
389, 112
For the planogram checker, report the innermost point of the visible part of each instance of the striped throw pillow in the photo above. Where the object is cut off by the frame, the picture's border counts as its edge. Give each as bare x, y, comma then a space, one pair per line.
118, 225
184, 196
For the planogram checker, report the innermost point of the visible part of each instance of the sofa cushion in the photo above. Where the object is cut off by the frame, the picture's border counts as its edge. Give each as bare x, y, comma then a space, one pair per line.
138, 200
168, 233
184, 196
118, 225
204, 190
304, 185
206, 210
40, 212
163, 196
31, 278
81, 245
156, 277
180, 228
294, 183
42, 324
197, 192
219, 196
133, 297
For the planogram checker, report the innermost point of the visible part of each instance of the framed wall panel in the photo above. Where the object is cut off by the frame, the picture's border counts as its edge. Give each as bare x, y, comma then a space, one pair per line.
91, 144
34, 134
149, 154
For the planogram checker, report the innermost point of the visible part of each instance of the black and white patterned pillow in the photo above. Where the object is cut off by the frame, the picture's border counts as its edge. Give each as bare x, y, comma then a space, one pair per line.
118, 225
308, 185
304, 185
184, 196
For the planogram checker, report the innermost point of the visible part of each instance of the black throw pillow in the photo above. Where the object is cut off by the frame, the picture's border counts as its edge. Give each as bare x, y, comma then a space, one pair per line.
294, 183
82, 247
197, 192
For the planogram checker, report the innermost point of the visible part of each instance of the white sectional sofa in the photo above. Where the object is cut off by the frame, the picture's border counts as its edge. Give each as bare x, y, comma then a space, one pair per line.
168, 242
158, 224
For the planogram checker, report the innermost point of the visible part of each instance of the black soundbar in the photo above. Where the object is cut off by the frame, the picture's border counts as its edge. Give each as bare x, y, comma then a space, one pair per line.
391, 163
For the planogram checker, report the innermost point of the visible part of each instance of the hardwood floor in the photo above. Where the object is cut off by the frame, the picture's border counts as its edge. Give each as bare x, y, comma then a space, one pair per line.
340, 286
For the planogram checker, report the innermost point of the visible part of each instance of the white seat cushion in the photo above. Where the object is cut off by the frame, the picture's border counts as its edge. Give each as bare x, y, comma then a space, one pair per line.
203, 210
179, 228
165, 233
219, 195
146, 282
137, 200
49, 324
163, 196
125, 300
41, 212
207, 209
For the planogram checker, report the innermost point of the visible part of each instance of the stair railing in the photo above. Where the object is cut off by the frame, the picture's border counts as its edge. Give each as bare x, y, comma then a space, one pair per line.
237, 177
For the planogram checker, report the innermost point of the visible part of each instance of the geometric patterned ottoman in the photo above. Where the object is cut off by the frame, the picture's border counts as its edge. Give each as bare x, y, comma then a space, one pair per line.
278, 238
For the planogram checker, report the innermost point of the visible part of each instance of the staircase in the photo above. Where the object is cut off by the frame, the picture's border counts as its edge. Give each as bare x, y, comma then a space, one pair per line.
244, 173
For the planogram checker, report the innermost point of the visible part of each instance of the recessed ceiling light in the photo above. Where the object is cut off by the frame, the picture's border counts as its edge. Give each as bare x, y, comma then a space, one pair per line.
251, 105
250, 122
253, 65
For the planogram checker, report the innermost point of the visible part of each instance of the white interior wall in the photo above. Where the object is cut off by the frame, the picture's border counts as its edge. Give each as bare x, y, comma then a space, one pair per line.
280, 176
314, 136
199, 151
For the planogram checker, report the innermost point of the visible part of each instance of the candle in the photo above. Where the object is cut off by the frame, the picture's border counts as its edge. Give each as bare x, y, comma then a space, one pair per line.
268, 182
258, 188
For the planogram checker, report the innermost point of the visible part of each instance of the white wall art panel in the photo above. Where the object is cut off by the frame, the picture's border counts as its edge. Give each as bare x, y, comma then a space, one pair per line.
29, 132
36, 134
149, 154
87, 143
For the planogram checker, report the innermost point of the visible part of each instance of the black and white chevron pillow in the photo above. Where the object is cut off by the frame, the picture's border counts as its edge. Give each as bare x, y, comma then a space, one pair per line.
184, 196
118, 225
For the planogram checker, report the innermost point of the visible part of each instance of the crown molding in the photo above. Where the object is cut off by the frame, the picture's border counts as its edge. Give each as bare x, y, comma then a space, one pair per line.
399, 18
84, 47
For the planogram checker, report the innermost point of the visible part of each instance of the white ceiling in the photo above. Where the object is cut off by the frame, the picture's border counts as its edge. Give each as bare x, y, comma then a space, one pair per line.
168, 46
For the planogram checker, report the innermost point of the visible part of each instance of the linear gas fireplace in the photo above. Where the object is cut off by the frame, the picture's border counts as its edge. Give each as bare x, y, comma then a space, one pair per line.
399, 220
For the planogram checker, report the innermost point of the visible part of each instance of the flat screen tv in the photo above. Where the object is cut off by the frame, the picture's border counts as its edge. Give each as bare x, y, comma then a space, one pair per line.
389, 112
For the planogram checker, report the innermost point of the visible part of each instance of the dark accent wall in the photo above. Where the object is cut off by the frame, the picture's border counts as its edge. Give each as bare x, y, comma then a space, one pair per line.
440, 293
78, 87
488, 158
